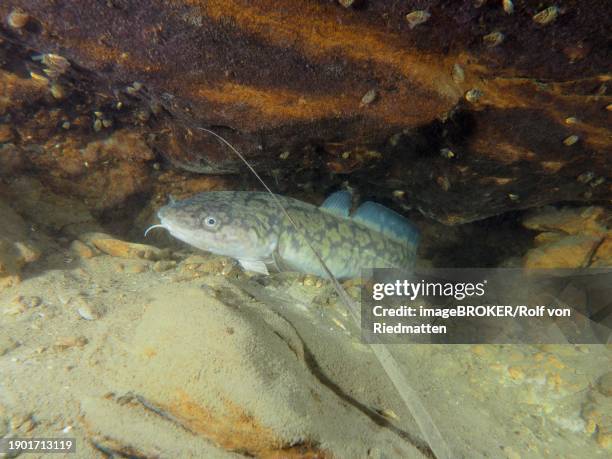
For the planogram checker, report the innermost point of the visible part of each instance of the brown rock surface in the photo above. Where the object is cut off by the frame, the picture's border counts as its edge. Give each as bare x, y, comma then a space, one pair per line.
570, 238
526, 120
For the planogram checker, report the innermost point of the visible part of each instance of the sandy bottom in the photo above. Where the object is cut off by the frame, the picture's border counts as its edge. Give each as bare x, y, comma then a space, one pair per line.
192, 358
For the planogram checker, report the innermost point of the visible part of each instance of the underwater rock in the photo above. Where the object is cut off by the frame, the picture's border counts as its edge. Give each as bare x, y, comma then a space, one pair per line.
568, 252
241, 380
277, 77
569, 220
603, 255
82, 249
118, 248
16, 248
49, 210
570, 238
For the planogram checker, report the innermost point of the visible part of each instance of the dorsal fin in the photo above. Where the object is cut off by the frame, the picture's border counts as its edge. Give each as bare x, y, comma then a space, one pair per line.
338, 203
386, 221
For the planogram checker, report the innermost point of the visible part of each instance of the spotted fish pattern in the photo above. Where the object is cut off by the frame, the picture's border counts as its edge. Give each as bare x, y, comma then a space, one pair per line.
250, 227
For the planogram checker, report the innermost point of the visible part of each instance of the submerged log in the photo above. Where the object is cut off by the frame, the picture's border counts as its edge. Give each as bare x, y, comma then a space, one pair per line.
461, 109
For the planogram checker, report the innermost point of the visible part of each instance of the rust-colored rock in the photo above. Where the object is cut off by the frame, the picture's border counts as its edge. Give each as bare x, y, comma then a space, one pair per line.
290, 76
122, 249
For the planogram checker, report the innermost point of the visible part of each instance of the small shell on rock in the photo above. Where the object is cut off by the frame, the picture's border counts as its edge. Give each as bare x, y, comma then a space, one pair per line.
447, 153
571, 140
400, 194
546, 16
585, 177
57, 65
347, 3
132, 90
97, 125
493, 39
571, 120
57, 91
458, 74
39, 78
87, 313
508, 6
369, 97
473, 95
514, 197
18, 18
417, 17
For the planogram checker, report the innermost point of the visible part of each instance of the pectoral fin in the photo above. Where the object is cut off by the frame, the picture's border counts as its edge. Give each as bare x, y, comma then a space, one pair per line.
338, 203
254, 266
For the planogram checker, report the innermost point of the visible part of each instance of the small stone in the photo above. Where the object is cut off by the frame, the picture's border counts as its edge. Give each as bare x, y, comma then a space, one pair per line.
546, 16
88, 312
97, 125
66, 125
164, 265
135, 268
309, 281
417, 17
571, 120
369, 97
284, 155
68, 342
347, 3
82, 250
18, 18
123, 249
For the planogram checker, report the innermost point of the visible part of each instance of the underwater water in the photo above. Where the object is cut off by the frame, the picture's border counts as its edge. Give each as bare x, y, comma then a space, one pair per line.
193, 259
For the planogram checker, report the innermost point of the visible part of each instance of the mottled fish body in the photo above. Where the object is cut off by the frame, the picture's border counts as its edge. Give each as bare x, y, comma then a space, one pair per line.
250, 227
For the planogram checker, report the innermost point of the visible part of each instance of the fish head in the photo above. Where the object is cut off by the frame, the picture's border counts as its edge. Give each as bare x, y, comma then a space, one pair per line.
222, 223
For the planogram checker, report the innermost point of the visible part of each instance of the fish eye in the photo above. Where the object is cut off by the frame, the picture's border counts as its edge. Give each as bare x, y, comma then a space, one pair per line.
210, 221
